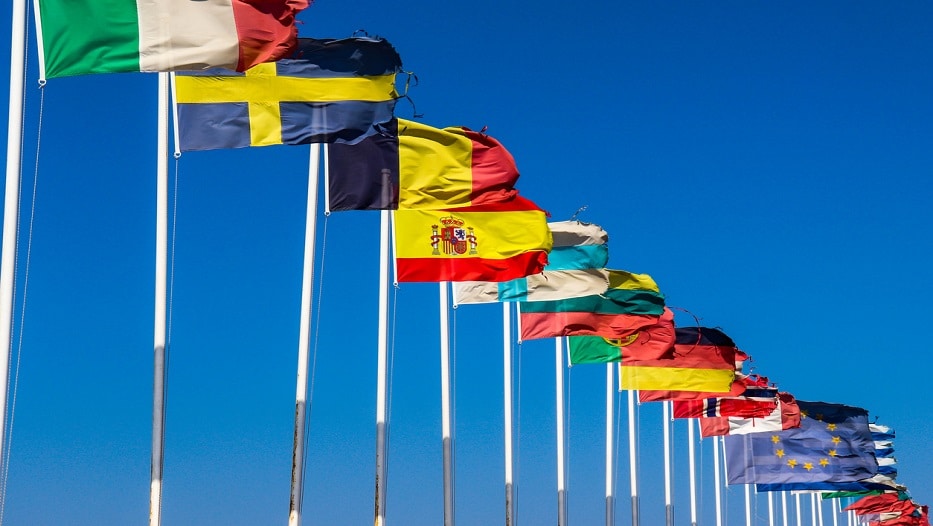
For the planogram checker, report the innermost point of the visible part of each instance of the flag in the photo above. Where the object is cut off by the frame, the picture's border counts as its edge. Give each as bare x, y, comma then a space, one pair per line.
328, 90
885, 503
755, 402
632, 302
78, 37
494, 242
652, 341
406, 165
785, 416
574, 269
832, 444
883, 480
701, 359
739, 385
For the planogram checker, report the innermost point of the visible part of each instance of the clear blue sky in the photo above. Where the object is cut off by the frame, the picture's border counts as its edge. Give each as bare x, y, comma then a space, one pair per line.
768, 163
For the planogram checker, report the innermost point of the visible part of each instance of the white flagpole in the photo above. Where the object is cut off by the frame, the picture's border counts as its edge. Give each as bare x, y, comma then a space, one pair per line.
382, 369
784, 518
668, 504
835, 512
507, 406
799, 512
693, 474
813, 509
748, 505
818, 504
11, 204
770, 508
610, 446
718, 481
445, 405
304, 338
561, 480
159, 332
632, 457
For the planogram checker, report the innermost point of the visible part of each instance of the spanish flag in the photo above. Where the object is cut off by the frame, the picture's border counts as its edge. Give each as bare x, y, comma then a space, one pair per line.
406, 165
492, 242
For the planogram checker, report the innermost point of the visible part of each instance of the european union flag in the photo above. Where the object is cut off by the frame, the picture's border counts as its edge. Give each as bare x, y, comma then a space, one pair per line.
832, 444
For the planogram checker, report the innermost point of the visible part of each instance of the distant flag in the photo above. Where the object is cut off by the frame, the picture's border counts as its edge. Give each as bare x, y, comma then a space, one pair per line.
328, 90
882, 481
832, 444
575, 268
649, 342
79, 37
884, 503
408, 165
785, 416
632, 302
755, 402
494, 242
739, 385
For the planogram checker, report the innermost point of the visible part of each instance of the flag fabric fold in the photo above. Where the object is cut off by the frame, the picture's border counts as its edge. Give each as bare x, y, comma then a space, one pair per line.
739, 385
493, 242
79, 37
575, 268
832, 444
631, 303
755, 402
407, 165
785, 416
327, 91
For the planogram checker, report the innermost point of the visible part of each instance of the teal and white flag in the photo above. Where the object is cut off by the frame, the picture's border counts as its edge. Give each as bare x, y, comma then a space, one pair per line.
576, 268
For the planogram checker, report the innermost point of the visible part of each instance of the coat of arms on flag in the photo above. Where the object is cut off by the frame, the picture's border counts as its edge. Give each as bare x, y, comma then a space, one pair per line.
455, 236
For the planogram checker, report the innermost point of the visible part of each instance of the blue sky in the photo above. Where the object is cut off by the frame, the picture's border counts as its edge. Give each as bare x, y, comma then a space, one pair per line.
767, 163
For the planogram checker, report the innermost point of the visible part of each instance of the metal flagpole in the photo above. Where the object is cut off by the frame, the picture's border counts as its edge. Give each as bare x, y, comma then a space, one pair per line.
668, 505
818, 504
507, 403
813, 509
748, 505
797, 506
835, 512
159, 336
770, 509
382, 369
632, 457
718, 482
691, 448
11, 204
304, 333
784, 519
445, 404
610, 446
159, 339
559, 379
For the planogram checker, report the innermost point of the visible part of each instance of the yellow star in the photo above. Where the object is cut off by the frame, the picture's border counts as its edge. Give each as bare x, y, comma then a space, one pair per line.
836, 440
803, 413
779, 453
832, 452
819, 416
808, 466
775, 439
831, 427
792, 463
824, 462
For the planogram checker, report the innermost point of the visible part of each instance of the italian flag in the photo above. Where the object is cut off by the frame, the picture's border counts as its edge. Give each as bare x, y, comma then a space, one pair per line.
79, 37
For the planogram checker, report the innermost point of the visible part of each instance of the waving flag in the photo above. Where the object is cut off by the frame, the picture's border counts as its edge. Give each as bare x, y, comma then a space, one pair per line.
329, 90
495, 242
651, 342
78, 37
755, 402
632, 302
884, 503
832, 444
406, 165
739, 385
575, 268
785, 416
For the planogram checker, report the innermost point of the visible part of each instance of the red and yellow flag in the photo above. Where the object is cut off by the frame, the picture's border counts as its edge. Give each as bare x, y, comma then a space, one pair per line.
490, 242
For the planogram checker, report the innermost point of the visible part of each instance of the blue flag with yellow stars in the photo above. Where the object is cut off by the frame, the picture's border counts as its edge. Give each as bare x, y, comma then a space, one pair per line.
832, 444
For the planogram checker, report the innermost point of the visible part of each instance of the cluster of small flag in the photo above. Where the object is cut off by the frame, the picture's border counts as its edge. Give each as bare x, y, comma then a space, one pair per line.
459, 218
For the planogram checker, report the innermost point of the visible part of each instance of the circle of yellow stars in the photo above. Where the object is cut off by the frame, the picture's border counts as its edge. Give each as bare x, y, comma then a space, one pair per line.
809, 466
